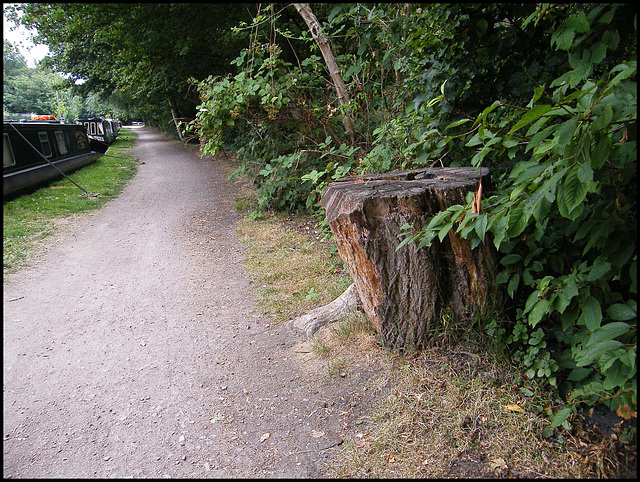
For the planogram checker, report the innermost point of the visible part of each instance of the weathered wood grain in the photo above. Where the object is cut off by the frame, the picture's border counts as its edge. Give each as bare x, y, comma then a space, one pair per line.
404, 292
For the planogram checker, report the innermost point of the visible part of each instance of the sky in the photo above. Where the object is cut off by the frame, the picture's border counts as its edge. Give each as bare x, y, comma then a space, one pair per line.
20, 38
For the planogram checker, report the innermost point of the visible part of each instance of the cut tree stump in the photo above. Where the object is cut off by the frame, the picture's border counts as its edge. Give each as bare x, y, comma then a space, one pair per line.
405, 292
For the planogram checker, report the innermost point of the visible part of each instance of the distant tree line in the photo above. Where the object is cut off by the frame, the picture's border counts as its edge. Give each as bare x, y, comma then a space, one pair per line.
40, 90
137, 57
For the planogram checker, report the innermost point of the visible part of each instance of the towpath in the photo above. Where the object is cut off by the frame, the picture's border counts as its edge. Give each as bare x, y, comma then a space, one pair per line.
132, 348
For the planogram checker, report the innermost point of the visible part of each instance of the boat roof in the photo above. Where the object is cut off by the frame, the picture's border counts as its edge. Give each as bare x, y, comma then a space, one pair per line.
93, 118
38, 123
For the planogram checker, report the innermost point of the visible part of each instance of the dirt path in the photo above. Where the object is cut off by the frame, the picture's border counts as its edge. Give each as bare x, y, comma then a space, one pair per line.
132, 348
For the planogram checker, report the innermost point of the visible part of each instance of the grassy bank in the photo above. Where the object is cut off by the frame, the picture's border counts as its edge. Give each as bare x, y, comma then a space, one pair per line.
453, 410
30, 218
295, 271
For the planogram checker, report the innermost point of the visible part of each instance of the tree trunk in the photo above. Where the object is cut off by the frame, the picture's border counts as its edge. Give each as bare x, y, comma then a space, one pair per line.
343, 96
174, 116
404, 292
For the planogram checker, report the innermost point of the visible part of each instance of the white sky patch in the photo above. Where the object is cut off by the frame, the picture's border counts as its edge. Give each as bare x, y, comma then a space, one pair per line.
21, 39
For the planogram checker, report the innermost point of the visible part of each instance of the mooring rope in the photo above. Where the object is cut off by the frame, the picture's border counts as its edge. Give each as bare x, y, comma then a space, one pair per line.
52, 164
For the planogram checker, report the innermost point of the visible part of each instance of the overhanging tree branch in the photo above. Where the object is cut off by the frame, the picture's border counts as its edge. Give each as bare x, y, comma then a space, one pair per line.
343, 96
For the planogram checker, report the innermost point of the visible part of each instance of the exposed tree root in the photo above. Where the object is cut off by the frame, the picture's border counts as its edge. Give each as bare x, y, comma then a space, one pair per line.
311, 322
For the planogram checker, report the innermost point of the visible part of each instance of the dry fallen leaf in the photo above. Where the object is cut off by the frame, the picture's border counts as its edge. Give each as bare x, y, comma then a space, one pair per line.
498, 463
265, 437
514, 408
317, 434
625, 412
142, 343
477, 198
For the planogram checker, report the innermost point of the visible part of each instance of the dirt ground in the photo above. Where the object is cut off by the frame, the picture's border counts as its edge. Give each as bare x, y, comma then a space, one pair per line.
132, 347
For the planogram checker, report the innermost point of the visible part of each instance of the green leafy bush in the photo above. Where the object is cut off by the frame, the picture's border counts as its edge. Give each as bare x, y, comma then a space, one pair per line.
544, 95
283, 126
564, 218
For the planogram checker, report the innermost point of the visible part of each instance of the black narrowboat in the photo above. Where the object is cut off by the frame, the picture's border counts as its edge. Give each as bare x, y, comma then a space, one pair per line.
35, 152
116, 125
100, 132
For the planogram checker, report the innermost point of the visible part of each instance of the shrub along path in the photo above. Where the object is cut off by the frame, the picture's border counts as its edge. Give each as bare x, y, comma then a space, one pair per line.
132, 347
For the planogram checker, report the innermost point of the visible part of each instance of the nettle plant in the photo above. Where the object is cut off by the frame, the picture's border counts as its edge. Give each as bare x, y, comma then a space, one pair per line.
564, 219
286, 134
254, 95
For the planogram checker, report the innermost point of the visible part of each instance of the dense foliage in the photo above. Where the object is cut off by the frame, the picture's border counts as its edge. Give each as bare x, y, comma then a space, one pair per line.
40, 90
545, 95
564, 216
27, 90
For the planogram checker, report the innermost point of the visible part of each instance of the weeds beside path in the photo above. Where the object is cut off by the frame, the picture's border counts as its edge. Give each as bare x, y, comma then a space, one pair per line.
454, 410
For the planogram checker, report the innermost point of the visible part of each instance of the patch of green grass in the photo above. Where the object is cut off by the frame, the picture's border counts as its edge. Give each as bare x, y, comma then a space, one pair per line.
337, 368
353, 325
353, 331
320, 347
30, 218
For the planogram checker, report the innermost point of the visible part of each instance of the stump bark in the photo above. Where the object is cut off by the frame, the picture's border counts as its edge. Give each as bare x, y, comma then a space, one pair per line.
404, 292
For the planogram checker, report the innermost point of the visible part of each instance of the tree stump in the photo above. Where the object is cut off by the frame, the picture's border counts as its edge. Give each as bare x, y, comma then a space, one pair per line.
404, 292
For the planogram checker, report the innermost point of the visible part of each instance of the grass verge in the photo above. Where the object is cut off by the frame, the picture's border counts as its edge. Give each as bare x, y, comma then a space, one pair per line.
452, 410
30, 218
294, 270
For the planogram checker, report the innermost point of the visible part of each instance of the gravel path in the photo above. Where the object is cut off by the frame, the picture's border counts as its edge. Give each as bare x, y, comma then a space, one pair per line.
132, 348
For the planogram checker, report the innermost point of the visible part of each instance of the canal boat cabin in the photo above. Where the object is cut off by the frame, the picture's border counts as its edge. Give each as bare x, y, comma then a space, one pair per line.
34, 153
100, 132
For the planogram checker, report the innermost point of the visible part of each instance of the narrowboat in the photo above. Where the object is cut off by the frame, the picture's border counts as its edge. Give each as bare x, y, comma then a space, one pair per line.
35, 153
100, 132
116, 125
